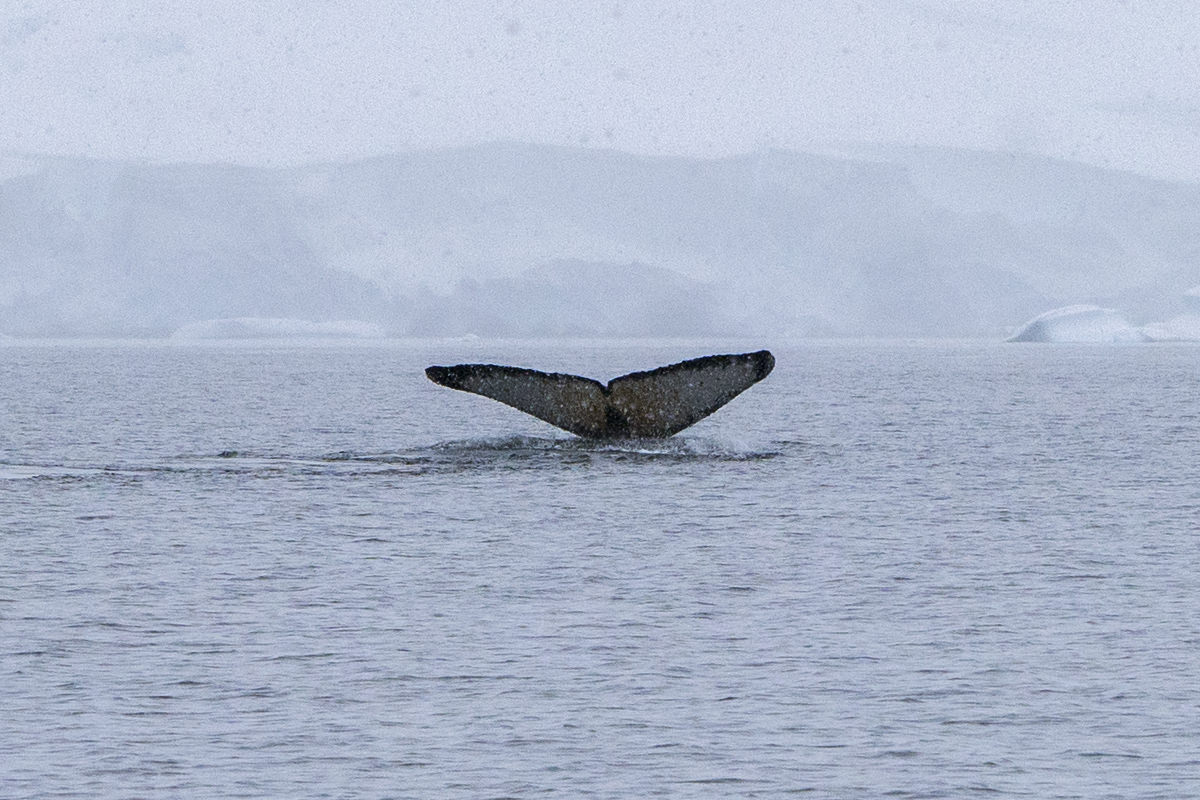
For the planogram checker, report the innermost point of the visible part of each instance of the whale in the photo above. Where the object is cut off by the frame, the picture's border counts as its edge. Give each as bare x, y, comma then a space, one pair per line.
653, 404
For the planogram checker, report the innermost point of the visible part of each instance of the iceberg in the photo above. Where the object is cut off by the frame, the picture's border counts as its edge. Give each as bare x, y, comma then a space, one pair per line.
272, 328
1080, 323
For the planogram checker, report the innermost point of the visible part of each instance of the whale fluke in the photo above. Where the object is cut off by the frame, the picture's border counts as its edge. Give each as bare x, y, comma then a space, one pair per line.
654, 404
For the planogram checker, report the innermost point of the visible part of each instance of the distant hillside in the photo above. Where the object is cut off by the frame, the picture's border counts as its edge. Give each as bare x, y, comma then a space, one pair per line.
526, 240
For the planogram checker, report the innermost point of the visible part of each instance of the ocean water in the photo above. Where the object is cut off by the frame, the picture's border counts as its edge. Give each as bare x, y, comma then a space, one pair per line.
909, 570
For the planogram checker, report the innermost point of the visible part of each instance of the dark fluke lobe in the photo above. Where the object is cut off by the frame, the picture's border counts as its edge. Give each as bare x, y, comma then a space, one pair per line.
654, 404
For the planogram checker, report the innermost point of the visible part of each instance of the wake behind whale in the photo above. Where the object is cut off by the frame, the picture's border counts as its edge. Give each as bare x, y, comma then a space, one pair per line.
641, 405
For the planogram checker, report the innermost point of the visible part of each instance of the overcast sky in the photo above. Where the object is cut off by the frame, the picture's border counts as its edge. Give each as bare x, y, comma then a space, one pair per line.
289, 81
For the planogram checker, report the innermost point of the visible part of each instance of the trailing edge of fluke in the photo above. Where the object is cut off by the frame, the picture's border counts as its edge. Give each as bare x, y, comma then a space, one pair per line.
654, 404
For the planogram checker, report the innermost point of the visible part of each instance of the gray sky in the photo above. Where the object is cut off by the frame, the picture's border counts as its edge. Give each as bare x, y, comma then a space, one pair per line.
288, 81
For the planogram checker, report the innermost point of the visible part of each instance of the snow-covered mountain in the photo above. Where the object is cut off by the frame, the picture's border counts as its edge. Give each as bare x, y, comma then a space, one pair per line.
525, 240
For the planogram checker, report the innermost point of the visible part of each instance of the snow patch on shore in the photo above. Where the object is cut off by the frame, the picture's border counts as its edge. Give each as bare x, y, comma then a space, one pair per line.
274, 328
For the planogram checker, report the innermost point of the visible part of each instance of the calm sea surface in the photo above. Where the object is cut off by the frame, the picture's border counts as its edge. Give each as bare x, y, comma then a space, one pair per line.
897, 569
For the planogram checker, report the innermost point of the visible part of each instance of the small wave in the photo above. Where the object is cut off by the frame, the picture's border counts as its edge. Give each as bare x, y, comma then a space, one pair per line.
673, 448
499, 452
18, 472
515, 452
339, 463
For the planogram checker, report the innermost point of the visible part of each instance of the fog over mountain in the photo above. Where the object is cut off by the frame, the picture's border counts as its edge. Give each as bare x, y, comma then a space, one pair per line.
527, 240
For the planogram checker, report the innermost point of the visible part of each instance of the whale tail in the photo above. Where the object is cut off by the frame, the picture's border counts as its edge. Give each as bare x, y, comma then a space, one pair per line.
654, 404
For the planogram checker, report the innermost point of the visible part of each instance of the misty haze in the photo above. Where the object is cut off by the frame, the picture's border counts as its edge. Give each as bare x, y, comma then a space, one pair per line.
532, 241
619, 400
